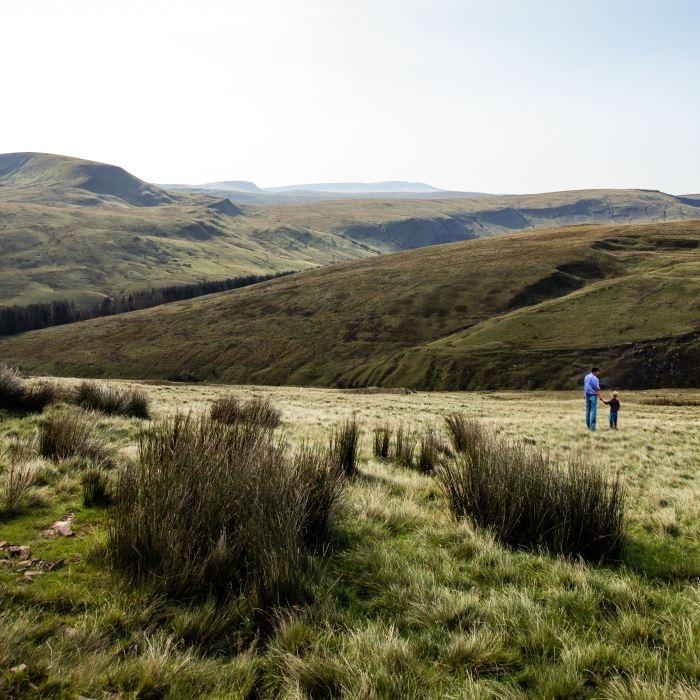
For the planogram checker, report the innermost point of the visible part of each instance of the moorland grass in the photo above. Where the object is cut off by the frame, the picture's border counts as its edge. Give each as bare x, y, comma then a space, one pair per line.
344, 443
73, 433
96, 486
382, 442
116, 401
16, 394
216, 508
527, 499
258, 411
406, 601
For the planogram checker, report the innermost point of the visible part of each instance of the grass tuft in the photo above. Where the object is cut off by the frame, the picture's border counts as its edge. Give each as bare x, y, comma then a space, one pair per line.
322, 483
72, 434
405, 445
382, 443
96, 487
132, 402
462, 431
18, 395
527, 501
432, 450
257, 411
210, 508
344, 445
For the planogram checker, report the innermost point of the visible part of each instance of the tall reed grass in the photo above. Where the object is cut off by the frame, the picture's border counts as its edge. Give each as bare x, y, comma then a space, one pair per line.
131, 402
216, 508
16, 394
527, 499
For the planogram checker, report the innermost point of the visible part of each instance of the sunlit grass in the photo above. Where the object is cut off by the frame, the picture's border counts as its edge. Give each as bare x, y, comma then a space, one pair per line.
404, 602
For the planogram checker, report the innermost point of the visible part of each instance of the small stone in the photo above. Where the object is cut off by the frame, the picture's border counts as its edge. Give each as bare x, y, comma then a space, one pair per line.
3, 544
13, 550
70, 632
29, 575
62, 528
5, 562
24, 564
20, 668
25, 552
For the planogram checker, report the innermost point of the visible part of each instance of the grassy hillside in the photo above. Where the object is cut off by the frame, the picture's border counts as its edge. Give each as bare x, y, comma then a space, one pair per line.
81, 230
524, 310
404, 602
77, 229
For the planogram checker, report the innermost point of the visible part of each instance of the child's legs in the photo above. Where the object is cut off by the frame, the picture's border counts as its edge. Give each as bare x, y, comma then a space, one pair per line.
613, 420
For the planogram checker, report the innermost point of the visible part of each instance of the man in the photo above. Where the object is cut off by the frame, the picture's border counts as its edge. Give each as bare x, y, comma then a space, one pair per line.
592, 392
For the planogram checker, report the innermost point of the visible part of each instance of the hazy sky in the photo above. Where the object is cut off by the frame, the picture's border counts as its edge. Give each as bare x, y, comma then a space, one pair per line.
488, 95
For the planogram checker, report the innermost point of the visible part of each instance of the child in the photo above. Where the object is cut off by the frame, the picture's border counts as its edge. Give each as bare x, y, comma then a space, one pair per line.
614, 404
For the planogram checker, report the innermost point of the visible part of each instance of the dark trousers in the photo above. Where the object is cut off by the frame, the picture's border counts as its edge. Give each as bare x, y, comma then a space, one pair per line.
613, 420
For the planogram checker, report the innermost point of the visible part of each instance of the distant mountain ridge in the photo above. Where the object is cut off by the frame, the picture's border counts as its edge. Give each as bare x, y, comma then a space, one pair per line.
358, 187
80, 230
46, 177
245, 192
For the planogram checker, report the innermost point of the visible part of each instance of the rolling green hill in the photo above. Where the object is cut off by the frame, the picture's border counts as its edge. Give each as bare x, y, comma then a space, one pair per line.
80, 230
532, 309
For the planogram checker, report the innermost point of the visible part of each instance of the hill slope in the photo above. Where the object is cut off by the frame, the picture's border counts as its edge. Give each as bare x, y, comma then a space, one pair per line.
71, 228
525, 310
77, 229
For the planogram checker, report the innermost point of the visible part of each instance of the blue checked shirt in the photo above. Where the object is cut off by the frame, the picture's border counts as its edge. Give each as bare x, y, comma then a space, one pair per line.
591, 385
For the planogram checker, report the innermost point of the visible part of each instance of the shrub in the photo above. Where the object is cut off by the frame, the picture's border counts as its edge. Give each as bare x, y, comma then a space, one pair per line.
210, 508
17, 395
527, 500
343, 448
431, 451
258, 411
462, 431
322, 484
404, 447
113, 400
96, 487
71, 434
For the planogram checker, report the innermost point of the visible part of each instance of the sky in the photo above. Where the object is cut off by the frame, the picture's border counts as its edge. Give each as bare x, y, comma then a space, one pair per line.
499, 96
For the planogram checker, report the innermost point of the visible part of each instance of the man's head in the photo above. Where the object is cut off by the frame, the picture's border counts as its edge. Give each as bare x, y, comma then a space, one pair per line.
595, 370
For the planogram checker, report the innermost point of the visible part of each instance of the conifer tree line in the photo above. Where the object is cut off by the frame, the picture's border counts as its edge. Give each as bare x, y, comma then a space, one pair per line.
19, 319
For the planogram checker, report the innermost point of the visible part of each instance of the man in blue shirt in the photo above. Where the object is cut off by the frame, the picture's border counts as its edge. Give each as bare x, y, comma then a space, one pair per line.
592, 392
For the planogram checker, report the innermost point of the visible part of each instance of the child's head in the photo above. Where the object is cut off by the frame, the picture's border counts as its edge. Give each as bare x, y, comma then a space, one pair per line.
614, 394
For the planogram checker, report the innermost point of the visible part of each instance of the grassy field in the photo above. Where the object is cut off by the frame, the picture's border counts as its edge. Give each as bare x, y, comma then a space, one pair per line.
76, 229
524, 310
405, 602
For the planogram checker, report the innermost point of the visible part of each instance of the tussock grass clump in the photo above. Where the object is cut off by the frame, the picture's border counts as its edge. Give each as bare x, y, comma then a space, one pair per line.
432, 450
344, 445
258, 411
72, 434
322, 484
15, 486
18, 395
382, 442
405, 445
462, 431
210, 507
96, 486
527, 500
131, 402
